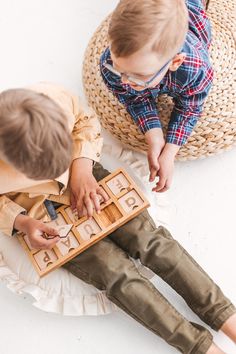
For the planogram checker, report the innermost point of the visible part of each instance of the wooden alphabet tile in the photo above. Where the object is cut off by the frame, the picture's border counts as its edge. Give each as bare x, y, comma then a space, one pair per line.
130, 201
72, 215
88, 228
118, 183
44, 258
67, 244
57, 222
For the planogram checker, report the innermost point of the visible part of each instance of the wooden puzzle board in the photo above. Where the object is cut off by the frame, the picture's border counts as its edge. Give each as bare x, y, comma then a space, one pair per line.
125, 202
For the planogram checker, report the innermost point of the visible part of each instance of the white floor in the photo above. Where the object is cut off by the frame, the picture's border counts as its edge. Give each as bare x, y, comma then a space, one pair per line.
45, 40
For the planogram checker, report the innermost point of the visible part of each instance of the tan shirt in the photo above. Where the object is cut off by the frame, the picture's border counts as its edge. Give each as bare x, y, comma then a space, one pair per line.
19, 193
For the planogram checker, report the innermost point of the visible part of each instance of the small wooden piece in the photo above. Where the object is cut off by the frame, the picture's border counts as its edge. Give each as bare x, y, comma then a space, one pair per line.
67, 244
88, 228
125, 202
118, 183
44, 258
130, 201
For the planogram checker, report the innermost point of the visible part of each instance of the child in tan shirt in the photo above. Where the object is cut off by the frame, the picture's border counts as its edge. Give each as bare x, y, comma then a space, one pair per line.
49, 148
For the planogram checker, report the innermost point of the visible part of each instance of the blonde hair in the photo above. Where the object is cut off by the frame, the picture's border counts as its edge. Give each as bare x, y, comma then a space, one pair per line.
134, 23
34, 136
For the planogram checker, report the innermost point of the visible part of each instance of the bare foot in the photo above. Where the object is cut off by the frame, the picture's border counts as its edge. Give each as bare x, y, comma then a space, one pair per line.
214, 350
229, 328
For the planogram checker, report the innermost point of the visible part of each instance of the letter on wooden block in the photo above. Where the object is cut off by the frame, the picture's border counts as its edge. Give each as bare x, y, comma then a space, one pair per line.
73, 216
88, 228
130, 201
45, 258
57, 222
118, 183
67, 244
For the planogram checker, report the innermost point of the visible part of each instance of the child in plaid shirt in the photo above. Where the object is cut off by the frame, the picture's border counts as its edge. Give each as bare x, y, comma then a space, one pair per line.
160, 47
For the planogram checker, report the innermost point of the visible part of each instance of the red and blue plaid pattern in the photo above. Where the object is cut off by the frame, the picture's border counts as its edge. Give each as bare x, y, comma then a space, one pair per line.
188, 86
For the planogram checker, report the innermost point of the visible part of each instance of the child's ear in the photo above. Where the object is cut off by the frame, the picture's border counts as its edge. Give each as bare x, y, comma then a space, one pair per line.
177, 61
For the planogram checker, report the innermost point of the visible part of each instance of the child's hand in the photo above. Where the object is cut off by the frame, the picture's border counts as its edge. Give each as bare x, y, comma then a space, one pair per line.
165, 174
166, 167
153, 154
155, 141
35, 229
86, 194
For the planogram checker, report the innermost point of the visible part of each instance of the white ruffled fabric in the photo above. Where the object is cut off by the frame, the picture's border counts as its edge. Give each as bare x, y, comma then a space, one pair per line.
60, 291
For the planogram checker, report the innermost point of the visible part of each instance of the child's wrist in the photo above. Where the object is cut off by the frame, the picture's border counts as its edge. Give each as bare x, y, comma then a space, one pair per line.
170, 150
155, 137
82, 163
20, 222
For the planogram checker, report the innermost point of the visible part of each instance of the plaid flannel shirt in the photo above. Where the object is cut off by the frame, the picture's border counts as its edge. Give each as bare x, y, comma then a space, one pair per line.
188, 86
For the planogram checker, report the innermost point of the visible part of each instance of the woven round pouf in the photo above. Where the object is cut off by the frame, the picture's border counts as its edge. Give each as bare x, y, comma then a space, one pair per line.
216, 128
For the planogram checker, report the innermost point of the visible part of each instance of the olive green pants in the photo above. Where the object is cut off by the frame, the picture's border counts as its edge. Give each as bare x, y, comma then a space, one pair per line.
108, 267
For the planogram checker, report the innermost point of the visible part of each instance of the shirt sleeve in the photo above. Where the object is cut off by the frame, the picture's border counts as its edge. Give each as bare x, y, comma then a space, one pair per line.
142, 107
9, 210
86, 134
189, 106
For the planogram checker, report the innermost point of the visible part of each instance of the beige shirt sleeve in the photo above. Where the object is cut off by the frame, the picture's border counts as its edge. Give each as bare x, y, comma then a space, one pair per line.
8, 212
86, 133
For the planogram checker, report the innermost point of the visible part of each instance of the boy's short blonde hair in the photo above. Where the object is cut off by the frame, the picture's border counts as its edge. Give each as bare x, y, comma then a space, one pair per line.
134, 23
34, 135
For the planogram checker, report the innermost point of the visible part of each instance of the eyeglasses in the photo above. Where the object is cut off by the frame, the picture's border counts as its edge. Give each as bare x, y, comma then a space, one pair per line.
133, 79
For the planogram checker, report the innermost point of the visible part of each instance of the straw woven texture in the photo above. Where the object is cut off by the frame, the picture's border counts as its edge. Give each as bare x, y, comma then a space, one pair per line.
216, 129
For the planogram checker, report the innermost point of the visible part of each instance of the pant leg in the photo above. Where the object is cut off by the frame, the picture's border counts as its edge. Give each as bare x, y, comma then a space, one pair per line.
156, 249
109, 268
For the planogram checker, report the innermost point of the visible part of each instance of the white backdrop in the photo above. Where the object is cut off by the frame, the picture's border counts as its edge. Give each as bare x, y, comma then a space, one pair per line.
45, 40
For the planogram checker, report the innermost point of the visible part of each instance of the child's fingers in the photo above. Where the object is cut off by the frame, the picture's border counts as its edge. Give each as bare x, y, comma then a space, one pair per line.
167, 185
160, 185
96, 202
72, 201
163, 189
153, 166
49, 244
153, 174
103, 194
89, 206
37, 241
49, 230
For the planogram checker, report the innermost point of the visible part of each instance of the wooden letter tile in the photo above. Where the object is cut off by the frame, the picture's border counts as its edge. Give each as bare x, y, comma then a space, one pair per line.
67, 244
57, 222
88, 228
130, 201
118, 183
73, 216
44, 258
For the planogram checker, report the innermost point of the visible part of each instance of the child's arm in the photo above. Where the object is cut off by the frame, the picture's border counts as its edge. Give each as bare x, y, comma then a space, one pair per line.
86, 133
187, 110
85, 192
12, 218
189, 106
